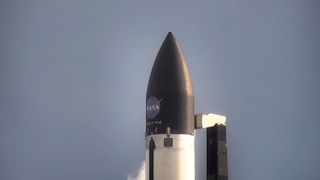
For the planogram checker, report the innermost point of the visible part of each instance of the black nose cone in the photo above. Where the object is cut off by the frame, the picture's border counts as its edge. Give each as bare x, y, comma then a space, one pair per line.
170, 99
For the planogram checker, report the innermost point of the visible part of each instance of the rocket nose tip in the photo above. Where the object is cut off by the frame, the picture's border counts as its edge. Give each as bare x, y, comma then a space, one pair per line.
170, 35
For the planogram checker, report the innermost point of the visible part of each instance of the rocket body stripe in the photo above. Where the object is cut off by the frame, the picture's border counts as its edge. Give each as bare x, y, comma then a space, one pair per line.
151, 159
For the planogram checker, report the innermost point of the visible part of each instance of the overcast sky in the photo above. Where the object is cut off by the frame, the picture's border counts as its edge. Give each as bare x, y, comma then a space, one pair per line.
73, 78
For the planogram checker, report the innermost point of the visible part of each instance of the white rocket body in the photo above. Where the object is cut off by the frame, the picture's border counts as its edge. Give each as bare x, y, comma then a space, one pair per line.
172, 163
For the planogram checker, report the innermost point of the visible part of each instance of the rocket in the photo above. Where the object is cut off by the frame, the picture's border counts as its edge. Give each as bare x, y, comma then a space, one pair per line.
171, 122
170, 116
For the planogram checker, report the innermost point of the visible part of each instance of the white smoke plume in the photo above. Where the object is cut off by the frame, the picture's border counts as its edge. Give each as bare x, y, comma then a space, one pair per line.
140, 173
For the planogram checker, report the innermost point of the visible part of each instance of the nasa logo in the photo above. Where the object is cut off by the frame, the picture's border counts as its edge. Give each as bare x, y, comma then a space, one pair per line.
153, 107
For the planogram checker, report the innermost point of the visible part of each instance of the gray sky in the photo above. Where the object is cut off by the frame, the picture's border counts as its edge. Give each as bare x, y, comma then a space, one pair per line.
73, 78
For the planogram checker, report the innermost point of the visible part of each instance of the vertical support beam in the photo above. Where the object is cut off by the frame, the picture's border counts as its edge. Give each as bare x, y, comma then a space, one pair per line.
217, 163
